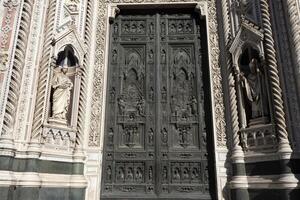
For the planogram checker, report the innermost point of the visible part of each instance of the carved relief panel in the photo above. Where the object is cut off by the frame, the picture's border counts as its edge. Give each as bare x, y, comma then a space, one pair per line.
155, 135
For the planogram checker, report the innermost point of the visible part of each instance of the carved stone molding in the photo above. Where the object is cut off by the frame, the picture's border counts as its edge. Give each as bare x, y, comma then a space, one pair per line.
95, 128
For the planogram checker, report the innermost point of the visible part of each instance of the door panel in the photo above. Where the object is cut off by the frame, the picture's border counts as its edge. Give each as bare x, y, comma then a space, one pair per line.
155, 132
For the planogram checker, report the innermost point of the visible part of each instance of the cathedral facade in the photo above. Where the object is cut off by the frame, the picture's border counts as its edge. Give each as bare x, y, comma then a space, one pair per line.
149, 99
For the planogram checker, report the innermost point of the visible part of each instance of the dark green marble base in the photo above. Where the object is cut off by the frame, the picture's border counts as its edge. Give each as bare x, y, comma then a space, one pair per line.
265, 194
29, 193
41, 166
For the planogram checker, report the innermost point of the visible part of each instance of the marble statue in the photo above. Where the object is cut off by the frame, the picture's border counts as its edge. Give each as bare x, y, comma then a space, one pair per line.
62, 86
253, 90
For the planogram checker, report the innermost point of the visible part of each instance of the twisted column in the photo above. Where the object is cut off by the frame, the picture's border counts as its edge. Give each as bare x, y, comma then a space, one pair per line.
17, 73
83, 86
40, 105
294, 17
271, 61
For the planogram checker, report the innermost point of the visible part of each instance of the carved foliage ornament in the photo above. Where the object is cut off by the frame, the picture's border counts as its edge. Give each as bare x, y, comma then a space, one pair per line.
99, 69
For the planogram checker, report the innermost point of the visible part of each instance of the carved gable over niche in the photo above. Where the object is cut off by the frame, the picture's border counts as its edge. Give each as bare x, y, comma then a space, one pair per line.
248, 35
70, 37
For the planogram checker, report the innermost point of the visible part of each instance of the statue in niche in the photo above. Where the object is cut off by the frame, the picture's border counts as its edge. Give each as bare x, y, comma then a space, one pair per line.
151, 94
140, 106
254, 93
115, 56
141, 28
126, 28
185, 174
151, 136
116, 27
164, 94
129, 135
120, 175
163, 56
62, 86
183, 136
111, 136
129, 175
174, 106
176, 174
165, 173
112, 94
108, 173
133, 28
164, 134
151, 56
193, 105
151, 28
139, 174
195, 173
150, 173
121, 105
163, 28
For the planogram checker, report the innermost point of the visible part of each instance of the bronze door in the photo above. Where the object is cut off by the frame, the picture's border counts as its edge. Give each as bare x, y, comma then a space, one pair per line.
156, 125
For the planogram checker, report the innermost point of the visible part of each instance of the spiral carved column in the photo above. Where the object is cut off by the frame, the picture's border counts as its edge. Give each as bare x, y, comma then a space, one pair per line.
39, 113
294, 17
271, 61
83, 86
17, 73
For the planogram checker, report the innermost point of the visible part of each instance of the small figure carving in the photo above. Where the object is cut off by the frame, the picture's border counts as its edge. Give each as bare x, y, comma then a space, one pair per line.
122, 105
193, 105
151, 94
172, 28
185, 174
165, 173
150, 173
151, 55
151, 136
129, 135
120, 175
183, 135
133, 28
174, 106
163, 28
108, 173
116, 28
111, 136
176, 174
115, 56
164, 94
141, 28
112, 94
129, 175
141, 106
180, 28
126, 28
163, 56
62, 86
151, 28
139, 174
195, 174
164, 134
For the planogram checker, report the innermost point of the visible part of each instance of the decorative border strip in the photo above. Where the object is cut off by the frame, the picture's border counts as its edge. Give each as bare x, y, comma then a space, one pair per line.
98, 84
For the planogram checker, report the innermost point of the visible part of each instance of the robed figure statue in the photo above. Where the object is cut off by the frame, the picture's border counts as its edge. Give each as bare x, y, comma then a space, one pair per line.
62, 86
254, 94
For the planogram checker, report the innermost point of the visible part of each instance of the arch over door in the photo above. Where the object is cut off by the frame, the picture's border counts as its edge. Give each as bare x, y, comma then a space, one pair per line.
157, 128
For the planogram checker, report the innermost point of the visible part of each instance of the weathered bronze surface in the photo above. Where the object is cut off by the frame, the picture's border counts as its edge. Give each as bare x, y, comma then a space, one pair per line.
156, 133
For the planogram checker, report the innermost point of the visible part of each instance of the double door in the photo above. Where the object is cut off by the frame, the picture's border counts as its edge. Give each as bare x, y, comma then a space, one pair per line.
155, 142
